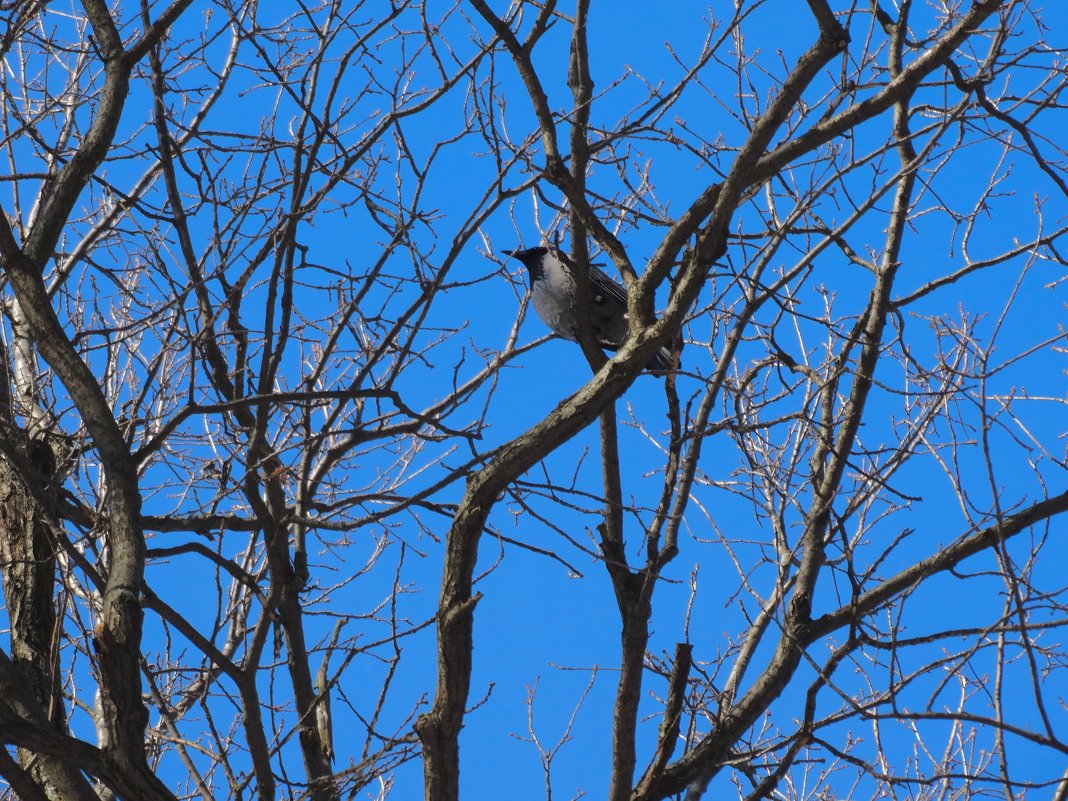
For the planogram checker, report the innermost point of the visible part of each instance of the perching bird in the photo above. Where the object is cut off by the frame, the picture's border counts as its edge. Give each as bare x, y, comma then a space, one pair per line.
553, 292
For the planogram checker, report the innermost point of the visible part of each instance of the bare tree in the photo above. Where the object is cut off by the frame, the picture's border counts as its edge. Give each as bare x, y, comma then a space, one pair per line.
257, 405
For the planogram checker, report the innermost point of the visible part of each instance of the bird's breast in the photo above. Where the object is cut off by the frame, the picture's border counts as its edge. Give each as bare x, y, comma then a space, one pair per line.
554, 306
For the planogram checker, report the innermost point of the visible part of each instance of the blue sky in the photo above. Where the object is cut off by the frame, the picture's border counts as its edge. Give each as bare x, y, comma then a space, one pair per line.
551, 624
538, 624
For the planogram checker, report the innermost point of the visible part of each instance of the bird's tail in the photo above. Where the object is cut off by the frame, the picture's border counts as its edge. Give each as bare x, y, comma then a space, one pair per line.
667, 358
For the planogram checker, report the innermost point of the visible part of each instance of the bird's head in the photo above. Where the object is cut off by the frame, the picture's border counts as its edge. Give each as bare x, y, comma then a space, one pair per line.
531, 258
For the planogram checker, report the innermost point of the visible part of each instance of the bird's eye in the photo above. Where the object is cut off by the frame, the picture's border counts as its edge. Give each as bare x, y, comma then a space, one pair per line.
598, 299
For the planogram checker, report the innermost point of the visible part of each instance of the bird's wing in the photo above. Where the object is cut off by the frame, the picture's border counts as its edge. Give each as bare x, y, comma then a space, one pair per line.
601, 284
603, 290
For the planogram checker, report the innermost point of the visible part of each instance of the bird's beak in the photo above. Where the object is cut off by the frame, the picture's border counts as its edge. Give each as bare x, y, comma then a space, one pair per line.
508, 252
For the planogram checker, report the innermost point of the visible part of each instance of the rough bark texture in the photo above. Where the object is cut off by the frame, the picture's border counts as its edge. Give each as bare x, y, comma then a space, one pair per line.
28, 565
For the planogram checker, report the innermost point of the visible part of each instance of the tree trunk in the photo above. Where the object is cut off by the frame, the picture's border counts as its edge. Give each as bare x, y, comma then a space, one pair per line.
28, 563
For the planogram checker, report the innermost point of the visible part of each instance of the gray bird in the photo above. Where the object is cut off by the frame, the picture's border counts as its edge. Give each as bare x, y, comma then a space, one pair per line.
553, 292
